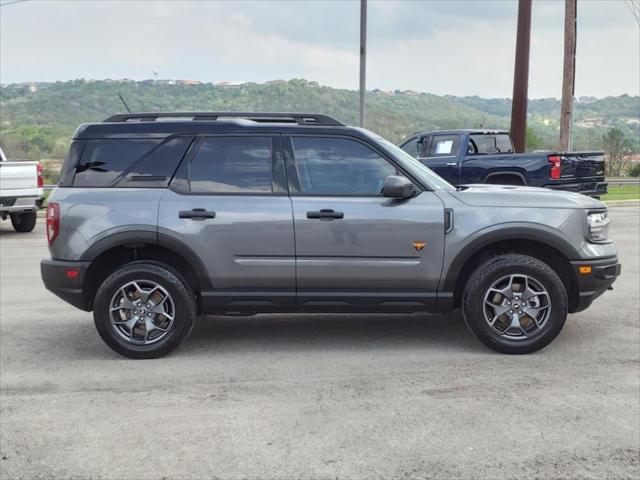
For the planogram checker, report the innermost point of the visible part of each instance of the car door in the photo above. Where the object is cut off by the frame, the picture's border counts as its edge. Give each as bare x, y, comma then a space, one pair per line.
228, 206
356, 249
439, 152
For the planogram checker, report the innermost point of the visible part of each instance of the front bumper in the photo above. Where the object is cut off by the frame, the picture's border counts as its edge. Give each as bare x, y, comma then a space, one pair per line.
69, 288
592, 189
591, 285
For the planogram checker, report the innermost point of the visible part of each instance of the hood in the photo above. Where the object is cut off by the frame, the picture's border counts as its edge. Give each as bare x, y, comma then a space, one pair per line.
482, 195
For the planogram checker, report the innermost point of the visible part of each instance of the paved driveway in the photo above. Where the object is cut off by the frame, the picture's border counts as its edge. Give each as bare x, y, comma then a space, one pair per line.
312, 396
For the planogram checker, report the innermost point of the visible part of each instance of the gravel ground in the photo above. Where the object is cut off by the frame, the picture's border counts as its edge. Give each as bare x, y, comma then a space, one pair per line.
316, 396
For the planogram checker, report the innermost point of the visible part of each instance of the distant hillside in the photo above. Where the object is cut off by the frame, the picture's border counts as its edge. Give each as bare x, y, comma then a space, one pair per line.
37, 120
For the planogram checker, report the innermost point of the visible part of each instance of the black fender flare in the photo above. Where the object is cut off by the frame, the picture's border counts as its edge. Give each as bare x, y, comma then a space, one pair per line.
498, 233
133, 238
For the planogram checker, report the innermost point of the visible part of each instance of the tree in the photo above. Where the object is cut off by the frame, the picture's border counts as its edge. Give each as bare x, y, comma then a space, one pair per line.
534, 142
617, 149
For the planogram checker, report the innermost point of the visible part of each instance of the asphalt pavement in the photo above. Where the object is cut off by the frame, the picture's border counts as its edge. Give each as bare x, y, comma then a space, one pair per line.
316, 396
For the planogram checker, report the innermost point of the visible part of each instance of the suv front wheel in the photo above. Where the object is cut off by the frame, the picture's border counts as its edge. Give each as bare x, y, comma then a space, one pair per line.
143, 310
515, 303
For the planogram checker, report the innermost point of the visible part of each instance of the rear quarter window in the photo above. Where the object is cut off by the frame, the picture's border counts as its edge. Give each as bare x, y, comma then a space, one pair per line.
129, 162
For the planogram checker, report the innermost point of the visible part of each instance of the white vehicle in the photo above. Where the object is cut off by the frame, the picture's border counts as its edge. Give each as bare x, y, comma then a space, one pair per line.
21, 192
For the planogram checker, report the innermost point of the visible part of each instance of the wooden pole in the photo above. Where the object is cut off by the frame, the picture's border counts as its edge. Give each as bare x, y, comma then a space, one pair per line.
521, 77
363, 58
568, 75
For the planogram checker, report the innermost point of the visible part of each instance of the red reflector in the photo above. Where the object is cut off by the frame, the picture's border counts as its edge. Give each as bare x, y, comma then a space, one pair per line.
556, 167
72, 273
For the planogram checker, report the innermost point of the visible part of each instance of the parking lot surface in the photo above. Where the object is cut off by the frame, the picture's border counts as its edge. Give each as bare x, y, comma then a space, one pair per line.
316, 396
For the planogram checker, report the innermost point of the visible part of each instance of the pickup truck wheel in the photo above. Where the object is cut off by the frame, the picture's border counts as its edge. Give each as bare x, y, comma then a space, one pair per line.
24, 222
515, 304
143, 310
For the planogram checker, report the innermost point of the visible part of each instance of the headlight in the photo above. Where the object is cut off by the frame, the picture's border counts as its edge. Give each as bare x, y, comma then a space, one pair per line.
598, 223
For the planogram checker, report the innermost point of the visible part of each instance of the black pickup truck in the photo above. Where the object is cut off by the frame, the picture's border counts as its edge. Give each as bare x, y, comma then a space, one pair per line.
487, 156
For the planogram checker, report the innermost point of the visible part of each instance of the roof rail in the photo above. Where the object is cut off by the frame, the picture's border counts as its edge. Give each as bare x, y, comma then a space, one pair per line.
298, 118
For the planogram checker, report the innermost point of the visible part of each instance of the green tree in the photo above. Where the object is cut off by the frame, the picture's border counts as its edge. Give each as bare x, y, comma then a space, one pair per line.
617, 149
534, 142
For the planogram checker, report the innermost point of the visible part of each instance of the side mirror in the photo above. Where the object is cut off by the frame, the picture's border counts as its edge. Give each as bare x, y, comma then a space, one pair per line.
397, 187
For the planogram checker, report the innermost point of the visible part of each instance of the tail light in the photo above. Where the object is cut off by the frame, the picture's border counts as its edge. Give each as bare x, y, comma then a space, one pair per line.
556, 167
53, 222
40, 179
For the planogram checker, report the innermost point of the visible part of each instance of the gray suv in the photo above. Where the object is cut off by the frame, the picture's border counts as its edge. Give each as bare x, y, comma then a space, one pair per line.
159, 218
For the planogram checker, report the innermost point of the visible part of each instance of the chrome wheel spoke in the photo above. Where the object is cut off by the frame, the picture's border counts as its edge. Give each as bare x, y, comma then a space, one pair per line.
124, 302
150, 325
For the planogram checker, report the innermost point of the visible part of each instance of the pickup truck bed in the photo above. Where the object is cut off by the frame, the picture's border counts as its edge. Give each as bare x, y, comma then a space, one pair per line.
482, 156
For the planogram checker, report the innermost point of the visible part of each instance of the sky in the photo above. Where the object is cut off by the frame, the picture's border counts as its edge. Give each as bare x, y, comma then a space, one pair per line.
436, 46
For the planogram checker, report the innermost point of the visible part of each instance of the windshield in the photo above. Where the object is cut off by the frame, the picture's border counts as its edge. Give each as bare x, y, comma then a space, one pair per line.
418, 169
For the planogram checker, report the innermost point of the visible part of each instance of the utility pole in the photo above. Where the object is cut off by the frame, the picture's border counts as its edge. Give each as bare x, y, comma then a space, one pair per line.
521, 77
568, 75
363, 57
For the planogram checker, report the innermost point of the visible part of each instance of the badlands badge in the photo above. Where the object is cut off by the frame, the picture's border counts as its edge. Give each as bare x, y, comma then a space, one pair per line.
419, 246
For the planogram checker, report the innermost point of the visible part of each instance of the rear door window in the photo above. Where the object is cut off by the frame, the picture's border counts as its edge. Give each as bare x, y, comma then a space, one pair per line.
485, 144
232, 165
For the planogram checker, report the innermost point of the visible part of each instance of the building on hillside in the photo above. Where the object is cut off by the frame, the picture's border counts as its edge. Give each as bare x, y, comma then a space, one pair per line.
189, 82
591, 122
229, 84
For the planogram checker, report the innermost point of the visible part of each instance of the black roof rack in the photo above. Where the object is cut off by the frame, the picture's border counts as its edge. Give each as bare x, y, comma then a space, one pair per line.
298, 118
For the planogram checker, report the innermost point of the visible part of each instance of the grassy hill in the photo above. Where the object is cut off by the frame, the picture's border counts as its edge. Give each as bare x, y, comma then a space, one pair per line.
37, 120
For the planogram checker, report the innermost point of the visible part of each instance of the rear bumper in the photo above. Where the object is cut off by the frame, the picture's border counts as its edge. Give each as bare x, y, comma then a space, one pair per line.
593, 189
590, 286
18, 204
56, 280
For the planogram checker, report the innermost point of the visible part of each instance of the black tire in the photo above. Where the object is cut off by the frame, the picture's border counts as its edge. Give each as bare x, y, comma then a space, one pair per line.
181, 295
24, 222
492, 271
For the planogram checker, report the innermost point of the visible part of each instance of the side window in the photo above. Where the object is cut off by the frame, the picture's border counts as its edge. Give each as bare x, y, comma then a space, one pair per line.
444, 145
156, 168
503, 142
411, 147
338, 166
489, 144
232, 165
104, 160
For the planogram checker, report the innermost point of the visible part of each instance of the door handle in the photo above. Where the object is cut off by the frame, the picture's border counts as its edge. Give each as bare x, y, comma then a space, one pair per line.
325, 214
196, 214
452, 164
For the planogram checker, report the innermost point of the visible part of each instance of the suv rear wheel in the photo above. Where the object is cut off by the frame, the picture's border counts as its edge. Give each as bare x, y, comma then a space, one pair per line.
515, 304
143, 310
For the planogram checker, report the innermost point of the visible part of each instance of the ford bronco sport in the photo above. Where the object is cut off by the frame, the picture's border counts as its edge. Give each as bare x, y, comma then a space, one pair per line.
158, 218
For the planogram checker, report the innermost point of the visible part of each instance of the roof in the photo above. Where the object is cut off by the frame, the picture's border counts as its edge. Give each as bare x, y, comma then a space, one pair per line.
168, 123
160, 125
465, 130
